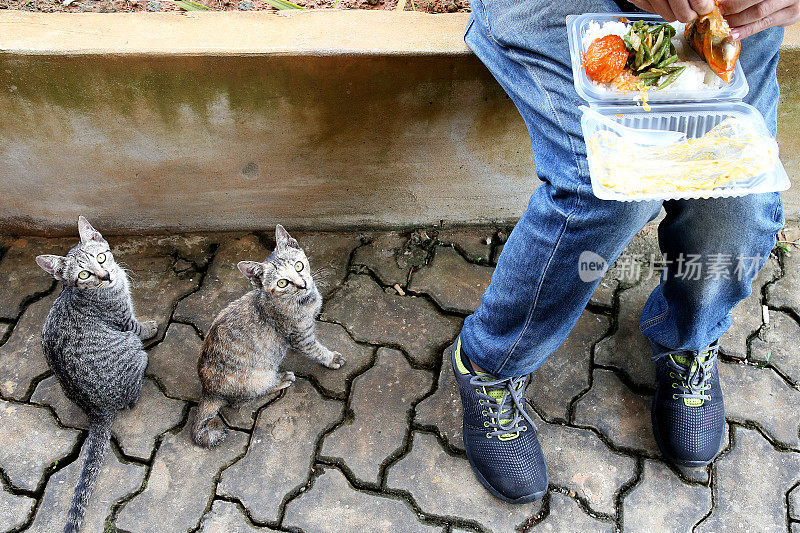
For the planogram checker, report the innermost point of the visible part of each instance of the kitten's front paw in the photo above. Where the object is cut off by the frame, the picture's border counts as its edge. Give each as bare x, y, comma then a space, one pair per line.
149, 330
336, 361
287, 379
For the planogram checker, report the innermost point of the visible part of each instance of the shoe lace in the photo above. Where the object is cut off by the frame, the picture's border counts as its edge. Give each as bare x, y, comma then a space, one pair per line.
505, 404
693, 370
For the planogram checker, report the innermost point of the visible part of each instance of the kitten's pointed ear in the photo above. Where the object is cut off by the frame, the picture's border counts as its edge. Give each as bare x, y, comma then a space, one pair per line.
282, 238
52, 264
251, 269
87, 232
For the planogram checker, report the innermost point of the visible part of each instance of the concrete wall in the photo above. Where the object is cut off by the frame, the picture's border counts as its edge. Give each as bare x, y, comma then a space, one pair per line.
234, 121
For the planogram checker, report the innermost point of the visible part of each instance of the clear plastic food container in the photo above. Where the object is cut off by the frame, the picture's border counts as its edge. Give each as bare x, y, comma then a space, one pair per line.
672, 113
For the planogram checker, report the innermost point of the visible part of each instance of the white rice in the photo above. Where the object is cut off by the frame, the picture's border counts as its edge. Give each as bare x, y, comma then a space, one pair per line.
697, 75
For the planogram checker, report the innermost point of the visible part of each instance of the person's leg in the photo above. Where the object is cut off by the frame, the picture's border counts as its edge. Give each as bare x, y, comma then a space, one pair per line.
731, 239
536, 295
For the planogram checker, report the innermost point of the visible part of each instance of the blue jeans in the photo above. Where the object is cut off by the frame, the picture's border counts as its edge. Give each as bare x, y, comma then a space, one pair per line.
536, 295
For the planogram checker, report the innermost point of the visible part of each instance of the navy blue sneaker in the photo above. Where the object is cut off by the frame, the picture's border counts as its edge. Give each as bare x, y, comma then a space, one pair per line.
499, 436
688, 411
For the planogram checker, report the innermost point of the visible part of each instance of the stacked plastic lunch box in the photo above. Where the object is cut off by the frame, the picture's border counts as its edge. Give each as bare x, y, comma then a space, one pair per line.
673, 114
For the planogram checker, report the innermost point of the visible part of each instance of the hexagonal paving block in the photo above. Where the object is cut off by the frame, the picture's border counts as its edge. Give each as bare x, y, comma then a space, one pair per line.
135, 429
22, 277
566, 373
223, 282
442, 410
644, 508
452, 282
627, 349
785, 293
751, 482
30, 443
760, 395
333, 381
174, 362
618, 413
578, 460
280, 451
14, 510
332, 504
374, 316
446, 486
180, 483
794, 503
384, 256
225, 517
116, 480
380, 400
779, 346
566, 515
21, 357
473, 242
747, 315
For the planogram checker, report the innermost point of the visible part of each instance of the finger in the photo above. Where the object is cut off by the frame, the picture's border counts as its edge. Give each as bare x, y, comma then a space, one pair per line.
682, 10
784, 17
728, 7
757, 12
702, 7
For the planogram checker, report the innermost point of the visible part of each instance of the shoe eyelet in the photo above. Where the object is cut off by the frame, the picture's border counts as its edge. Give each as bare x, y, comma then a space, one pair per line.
486, 424
478, 391
674, 396
524, 428
488, 435
483, 412
672, 375
674, 385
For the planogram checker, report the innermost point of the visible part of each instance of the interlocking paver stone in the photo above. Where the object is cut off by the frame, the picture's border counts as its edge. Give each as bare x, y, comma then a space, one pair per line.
14, 510
442, 409
566, 372
4, 329
156, 284
174, 362
644, 508
627, 349
31, 441
333, 501
618, 413
750, 483
21, 357
386, 257
374, 316
334, 381
225, 517
328, 254
578, 459
566, 515
747, 315
280, 451
452, 282
794, 503
759, 394
474, 243
604, 293
380, 401
780, 348
135, 429
223, 282
179, 484
116, 480
21, 276
785, 293
444, 485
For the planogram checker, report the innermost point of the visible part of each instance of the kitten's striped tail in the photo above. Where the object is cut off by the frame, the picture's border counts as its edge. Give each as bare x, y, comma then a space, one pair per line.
96, 447
208, 430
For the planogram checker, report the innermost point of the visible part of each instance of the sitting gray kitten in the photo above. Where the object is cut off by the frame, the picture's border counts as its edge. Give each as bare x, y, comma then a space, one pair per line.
248, 340
93, 343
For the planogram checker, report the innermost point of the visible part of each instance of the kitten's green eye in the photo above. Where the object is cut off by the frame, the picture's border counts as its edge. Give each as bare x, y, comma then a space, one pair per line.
84, 274
101, 258
282, 283
299, 266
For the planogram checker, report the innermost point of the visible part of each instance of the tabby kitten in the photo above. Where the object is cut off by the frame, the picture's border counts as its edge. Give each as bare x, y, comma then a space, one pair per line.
93, 343
248, 340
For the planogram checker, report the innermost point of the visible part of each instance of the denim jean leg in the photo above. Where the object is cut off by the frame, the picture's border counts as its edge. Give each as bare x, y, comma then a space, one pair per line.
732, 236
536, 295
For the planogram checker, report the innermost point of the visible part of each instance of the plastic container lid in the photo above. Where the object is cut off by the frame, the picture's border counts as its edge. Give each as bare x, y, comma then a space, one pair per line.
577, 25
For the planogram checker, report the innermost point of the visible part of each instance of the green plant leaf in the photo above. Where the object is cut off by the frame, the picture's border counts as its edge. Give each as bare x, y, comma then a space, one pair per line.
189, 5
283, 4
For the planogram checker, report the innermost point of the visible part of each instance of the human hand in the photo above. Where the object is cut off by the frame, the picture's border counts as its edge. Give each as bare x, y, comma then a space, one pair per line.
746, 17
682, 10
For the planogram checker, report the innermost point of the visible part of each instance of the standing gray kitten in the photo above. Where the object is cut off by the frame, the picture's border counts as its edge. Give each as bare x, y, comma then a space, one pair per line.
248, 340
93, 343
